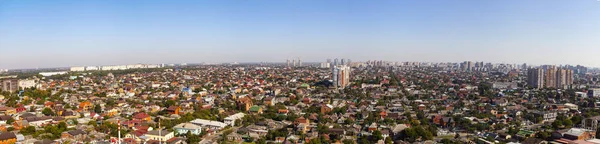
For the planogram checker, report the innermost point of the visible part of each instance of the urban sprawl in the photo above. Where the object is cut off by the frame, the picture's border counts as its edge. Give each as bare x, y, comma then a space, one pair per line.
336, 101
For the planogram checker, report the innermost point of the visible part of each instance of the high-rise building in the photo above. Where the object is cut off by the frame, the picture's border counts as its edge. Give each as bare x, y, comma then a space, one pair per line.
335, 62
569, 79
341, 76
294, 63
550, 77
561, 78
299, 62
469, 65
288, 62
535, 77
9, 85
564, 78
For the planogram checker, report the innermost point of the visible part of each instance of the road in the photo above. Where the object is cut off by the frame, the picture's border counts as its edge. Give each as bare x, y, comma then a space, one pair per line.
214, 138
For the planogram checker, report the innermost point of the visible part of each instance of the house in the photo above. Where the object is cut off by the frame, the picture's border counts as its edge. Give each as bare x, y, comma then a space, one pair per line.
160, 135
78, 135
8, 110
255, 110
548, 116
174, 110
111, 112
8, 138
234, 137
301, 120
525, 133
20, 124
244, 103
142, 117
4, 119
443, 121
230, 120
326, 108
269, 101
184, 128
579, 134
534, 141
85, 106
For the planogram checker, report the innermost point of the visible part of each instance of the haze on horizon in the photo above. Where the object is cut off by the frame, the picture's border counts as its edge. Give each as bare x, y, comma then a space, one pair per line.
41, 33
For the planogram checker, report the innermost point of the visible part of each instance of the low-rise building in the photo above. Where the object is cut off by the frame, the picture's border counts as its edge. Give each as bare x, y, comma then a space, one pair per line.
184, 128
230, 120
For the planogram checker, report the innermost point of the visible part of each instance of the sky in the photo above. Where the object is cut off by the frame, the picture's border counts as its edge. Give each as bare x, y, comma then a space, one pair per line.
62, 33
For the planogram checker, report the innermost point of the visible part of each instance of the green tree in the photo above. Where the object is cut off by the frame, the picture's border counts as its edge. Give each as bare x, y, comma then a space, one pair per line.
261, 141
47, 112
97, 108
568, 123
377, 135
169, 103
576, 119
10, 121
557, 124
191, 138
543, 135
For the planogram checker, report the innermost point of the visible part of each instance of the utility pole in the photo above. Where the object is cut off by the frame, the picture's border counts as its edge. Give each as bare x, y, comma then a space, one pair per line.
159, 132
119, 131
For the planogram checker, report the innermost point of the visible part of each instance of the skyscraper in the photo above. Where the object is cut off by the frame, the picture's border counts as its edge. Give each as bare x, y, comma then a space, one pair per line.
294, 62
341, 76
561, 78
535, 77
335, 62
349, 62
343, 62
550, 77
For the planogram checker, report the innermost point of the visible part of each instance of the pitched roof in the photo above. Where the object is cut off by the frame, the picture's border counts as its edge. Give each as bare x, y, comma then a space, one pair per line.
7, 136
254, 108
141, 115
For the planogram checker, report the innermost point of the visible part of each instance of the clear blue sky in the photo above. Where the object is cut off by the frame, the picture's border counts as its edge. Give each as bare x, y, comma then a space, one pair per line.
57, 33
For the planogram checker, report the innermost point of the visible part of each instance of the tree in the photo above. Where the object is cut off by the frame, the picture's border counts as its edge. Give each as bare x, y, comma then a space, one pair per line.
568, 123
27, 130
10, 121
539, 119
543, 135
169, 103
97, 108
191, 138
47, 112
348, 141
557, 124
576, 119
377, 135
261, 141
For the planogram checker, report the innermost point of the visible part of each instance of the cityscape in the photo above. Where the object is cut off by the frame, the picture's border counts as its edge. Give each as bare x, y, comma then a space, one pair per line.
299, 72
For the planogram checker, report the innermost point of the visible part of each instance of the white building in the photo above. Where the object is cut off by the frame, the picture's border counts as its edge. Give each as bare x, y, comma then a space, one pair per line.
325, 65
92, 68
215, 125
230, 120
27, 83
184, 128
77, 68
162, 136
52, 73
